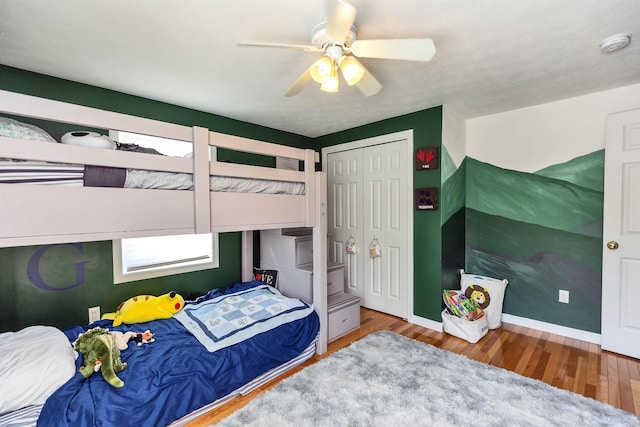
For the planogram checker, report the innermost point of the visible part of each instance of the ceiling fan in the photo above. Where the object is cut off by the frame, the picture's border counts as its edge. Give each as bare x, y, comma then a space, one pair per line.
336, 39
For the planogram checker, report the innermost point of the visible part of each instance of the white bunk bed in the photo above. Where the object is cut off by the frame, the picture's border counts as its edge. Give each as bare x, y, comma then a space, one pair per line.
34, 214
47, 214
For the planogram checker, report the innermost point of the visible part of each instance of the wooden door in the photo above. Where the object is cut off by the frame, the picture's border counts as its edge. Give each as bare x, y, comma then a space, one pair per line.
621, 235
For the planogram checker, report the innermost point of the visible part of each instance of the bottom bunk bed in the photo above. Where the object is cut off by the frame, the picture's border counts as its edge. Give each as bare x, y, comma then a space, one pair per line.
223, 344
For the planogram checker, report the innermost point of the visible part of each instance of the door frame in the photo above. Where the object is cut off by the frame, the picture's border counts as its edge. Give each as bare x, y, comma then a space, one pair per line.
378, 140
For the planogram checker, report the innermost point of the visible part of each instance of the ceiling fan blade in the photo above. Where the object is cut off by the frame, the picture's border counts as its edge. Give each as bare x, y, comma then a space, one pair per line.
368, 84
283, 45
402, 49
340, 18
299, 84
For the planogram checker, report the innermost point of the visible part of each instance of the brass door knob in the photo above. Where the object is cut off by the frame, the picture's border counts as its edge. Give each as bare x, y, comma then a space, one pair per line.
612, 245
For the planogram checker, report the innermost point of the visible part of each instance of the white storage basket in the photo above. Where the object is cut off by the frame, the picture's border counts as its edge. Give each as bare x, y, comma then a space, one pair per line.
487, 292
468, 330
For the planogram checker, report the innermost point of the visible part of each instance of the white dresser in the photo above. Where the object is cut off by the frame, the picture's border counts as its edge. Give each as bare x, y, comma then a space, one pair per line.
290, 253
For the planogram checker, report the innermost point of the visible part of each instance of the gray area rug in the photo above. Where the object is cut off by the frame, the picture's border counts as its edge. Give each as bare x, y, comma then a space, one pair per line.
386, 379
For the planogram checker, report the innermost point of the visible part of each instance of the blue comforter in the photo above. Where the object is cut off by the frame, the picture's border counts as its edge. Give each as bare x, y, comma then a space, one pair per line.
174, 375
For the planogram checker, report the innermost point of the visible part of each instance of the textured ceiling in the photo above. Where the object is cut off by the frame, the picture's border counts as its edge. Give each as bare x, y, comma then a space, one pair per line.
492, 55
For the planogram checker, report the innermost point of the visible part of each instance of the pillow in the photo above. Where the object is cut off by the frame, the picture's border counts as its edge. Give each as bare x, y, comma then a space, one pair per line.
88, 139
34, 362
14, 129
268, 277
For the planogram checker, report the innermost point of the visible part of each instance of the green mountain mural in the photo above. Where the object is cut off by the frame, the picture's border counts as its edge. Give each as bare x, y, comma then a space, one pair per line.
586, 171
453, 219
538, 261
452, 197
543, 232
447, 165
532, 198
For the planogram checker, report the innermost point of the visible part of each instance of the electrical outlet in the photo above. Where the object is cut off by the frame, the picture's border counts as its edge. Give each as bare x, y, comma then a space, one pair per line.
94, 314
563, 296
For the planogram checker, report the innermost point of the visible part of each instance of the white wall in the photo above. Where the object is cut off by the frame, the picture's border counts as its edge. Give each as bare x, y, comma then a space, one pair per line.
532, 138
454, 134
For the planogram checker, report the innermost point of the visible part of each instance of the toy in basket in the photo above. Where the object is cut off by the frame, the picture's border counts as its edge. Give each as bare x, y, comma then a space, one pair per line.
461, 306
463, 318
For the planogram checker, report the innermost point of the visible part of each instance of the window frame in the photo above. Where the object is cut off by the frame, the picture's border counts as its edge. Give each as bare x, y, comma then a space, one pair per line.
119, 264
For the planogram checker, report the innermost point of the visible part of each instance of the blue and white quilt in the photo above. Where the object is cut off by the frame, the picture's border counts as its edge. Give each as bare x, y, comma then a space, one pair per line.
233, 318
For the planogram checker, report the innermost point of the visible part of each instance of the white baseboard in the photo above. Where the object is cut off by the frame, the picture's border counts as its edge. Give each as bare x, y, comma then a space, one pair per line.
564, 331
521, 321
425, 323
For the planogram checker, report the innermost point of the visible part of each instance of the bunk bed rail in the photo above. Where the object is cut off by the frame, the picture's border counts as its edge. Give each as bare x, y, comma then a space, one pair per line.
35, 214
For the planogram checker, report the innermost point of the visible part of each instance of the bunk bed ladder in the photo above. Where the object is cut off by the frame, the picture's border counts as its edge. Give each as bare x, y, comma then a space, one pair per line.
310, 186
320, 260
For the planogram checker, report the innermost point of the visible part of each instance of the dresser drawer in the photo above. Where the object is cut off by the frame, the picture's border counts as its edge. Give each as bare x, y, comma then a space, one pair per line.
335, 279
344, 318
304, 251
287, 250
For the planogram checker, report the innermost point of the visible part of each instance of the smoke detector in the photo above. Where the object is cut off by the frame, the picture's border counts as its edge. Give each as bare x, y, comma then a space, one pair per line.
615, 42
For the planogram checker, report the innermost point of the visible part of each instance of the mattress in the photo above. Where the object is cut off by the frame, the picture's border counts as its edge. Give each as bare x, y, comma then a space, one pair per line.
40, 173
43, 173
25, 417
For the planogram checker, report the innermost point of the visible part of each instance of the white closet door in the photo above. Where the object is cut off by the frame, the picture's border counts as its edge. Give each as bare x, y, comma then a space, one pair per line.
385, 201
368, 198
345, 214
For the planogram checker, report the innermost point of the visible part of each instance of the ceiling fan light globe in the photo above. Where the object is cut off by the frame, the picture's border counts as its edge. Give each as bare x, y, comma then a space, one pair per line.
351, 70
321, 69
331, 83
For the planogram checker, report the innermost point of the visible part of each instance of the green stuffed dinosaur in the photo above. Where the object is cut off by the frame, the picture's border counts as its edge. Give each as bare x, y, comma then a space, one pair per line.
100, 351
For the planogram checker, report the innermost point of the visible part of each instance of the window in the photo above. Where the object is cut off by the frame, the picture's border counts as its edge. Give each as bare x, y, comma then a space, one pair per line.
147, 257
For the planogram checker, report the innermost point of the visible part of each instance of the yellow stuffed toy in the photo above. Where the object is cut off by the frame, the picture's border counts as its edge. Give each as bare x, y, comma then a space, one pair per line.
145, 308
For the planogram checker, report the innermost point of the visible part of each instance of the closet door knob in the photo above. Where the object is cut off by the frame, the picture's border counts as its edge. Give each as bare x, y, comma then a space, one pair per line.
612, 245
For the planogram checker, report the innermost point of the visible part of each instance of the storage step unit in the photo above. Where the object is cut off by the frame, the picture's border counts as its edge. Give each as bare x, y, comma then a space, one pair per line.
290, 253
344, 314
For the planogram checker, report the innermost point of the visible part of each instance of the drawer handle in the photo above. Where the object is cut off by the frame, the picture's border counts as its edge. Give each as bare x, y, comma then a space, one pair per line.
344, 320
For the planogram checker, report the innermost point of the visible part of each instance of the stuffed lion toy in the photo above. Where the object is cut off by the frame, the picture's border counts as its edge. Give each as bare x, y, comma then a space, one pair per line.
100, 352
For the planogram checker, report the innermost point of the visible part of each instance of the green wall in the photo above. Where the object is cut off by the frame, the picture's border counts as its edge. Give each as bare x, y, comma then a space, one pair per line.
55, 284
427, 131
70, 278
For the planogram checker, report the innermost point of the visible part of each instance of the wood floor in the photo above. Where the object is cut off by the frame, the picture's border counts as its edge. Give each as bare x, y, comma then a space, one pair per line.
565, 363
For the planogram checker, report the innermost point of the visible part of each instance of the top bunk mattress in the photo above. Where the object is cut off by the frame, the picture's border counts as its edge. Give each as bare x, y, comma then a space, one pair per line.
43, 173
47, 173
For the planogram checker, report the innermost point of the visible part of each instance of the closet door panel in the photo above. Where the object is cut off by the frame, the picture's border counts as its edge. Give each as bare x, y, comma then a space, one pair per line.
386, 277
345, 220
